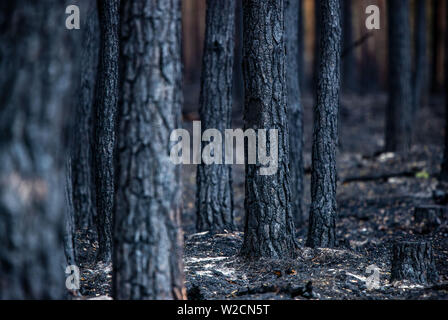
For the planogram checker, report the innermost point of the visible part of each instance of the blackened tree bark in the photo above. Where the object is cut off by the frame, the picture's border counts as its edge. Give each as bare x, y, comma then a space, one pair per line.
38, 62
82, 176
399, 108
148, 239
214, 198
295, 112
444, 172
348, 63
321, 230
106, 99
421, 65
269, 228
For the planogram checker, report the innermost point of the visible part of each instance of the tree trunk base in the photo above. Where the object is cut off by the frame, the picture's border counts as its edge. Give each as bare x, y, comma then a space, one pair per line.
440, 194
429, 217
413, 261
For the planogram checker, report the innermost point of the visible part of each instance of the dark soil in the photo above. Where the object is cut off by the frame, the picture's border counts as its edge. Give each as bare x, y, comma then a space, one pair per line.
377, 194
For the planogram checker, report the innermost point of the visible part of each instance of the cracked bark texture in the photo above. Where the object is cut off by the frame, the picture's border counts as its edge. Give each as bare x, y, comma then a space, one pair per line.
444, 171
413, 261
82, 175
106, 100
399, 108
269, 226
295, 112
148, 237
38, 66
214, 196
321, 229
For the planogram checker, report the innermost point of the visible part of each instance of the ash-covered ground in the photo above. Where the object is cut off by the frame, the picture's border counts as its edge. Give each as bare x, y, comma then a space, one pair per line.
377, 195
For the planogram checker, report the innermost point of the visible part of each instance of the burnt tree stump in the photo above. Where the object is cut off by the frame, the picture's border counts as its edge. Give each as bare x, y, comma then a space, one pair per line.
429, 217
440, 194
413, 260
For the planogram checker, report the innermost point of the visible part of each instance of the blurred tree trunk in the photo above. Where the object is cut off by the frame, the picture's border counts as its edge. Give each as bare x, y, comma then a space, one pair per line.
38, 67
82, 175
421, 65
436, 46
321, 232
148, 237
348, 63
317, 37
399, 109
301, 35
444, 173
106, 99
295, 114
214, 197
269, 227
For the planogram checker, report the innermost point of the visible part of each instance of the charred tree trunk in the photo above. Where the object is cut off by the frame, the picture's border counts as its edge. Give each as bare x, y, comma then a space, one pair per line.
82, 176
444, 172
269, 227
321, 232
413, 261
317, 37
421, 65
435, 46
429, 217
295, 113
106, 101
148, 239
214, 198
348, 63
301, 45
38, 69
399, 109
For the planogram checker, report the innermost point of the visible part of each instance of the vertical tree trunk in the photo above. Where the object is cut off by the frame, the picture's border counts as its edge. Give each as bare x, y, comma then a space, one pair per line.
295, 114
269, 228
321, 232
444, 172
148, 238
317, 37
105, 123
348, 63
399, 109
214, 198
435, 52
421, 66
38, 69
82, 175
301, 45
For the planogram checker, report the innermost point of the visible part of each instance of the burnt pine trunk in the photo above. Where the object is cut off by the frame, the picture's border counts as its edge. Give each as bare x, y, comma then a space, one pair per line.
82, 175
214, 197
295, 112
399, 108
444, 172
106, 99
148, 237
321, 230
421, 64
269, 226
38, 68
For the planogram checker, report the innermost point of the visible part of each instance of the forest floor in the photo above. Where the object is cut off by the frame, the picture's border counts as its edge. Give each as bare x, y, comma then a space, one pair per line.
377, 194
